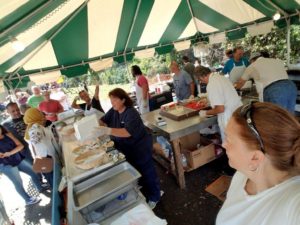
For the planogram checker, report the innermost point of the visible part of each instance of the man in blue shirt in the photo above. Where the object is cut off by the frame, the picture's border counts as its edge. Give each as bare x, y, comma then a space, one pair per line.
236, 65
183, 83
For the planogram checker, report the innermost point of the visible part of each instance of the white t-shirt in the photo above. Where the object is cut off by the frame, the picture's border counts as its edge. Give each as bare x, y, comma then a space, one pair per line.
277, 205
265, 71
221, 92
59, 95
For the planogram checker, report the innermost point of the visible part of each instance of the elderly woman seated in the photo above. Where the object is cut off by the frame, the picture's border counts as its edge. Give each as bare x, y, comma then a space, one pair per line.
263, 145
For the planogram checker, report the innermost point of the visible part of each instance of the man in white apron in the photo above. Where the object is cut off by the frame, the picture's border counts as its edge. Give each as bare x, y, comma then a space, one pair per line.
141, 89
221, 95
236, 65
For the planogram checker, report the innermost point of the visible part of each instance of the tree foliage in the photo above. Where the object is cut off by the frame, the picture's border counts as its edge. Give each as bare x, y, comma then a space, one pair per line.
273, 42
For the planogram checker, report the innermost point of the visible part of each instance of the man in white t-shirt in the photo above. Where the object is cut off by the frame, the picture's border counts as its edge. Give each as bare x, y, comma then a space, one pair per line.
271, 81
221, 94
59, 95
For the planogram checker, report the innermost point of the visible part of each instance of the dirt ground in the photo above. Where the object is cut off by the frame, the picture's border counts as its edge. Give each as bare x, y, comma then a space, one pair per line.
192, 205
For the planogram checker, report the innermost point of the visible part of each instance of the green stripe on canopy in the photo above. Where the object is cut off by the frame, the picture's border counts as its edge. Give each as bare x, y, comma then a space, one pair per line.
9, 63
141, 19
120, 59
20, 13
75, 71
164, 49
236, 34
262, 6
25, 25
211, 17
127, 17
180, 20
71, 44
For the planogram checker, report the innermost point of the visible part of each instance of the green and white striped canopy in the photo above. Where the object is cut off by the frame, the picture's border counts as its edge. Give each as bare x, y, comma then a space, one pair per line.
68, 37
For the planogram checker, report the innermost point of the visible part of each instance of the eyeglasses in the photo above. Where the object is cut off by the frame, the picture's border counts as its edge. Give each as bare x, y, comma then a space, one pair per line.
246, 112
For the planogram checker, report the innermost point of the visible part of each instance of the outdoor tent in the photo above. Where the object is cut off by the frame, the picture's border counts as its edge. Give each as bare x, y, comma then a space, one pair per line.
68, 37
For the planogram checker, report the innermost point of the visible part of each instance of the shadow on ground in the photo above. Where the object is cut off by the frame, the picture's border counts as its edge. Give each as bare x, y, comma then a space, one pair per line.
192, 205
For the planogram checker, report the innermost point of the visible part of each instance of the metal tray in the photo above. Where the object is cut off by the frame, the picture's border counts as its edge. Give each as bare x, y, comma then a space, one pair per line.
113, 207
104, 187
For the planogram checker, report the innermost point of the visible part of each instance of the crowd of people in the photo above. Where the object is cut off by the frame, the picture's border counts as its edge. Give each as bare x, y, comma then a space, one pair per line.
265, 155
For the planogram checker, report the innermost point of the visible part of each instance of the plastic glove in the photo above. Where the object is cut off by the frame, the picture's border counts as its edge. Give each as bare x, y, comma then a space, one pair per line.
145, 103
101, 130
202, 113
202, 95
191, 97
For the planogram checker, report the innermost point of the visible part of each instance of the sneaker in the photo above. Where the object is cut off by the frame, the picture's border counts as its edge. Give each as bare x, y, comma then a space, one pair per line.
33, 200
45, 189
152, 204
161, 193
45, 185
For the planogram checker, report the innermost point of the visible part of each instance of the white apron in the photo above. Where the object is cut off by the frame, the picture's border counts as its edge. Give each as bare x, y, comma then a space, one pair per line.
140, 99
236, 73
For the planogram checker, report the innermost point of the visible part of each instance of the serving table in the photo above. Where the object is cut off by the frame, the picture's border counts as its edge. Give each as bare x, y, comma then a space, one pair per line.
174, 130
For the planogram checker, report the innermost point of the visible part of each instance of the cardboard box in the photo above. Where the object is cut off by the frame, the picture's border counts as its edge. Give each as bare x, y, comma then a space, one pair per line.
197, 149
219, 187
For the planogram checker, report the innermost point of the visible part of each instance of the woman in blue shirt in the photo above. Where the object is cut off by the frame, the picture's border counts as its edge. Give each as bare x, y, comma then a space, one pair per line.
12, 162
127, 130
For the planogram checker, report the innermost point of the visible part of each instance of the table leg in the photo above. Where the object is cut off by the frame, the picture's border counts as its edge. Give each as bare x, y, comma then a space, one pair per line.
178, 165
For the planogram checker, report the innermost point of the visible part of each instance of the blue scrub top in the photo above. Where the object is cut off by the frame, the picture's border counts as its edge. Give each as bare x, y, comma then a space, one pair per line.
130, 120
230, 63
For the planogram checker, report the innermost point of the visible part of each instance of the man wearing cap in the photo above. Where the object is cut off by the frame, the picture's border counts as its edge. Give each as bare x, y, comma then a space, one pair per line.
222, 96
271, 81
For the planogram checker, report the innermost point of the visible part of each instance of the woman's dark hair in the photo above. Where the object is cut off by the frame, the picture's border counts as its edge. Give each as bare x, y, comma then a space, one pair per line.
4, 131
136, 70
265, 54
121, 94
279, 131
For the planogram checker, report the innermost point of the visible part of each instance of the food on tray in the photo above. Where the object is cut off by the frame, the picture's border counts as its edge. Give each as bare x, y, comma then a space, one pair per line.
91, 159
108, 144
94, 161
67, 130
168, 106
80, 149
196, 105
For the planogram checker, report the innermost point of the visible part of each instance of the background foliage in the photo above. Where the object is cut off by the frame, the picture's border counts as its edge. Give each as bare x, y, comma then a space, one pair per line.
273, 42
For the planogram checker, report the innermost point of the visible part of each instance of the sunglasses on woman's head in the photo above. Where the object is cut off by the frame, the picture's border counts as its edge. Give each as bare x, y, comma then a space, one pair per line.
246, 112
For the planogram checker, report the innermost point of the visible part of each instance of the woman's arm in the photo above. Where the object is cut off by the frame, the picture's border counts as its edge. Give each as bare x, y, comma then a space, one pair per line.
120, 132
19, 146
96, 95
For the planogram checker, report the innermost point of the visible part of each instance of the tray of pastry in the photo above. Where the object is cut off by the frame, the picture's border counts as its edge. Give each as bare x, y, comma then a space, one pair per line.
90, 159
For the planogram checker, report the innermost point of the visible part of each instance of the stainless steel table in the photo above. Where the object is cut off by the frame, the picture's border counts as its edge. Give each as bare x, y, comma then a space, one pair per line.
174, 130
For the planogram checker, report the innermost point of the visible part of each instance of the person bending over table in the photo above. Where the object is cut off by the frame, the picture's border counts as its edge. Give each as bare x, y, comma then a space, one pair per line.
125, 126
263, 145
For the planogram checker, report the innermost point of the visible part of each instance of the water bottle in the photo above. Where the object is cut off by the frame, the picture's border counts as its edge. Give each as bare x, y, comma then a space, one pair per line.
183, 160
174, 97
165, 145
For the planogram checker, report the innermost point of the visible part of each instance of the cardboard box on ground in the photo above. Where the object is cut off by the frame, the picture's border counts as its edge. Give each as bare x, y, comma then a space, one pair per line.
197, 149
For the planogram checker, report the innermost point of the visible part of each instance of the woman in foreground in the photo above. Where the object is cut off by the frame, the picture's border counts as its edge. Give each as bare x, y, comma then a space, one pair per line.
263, 145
